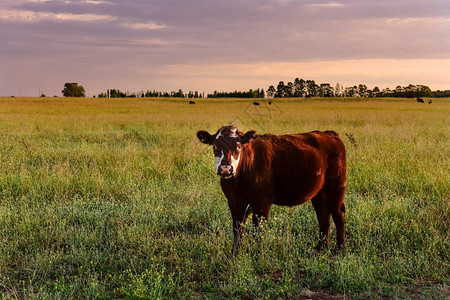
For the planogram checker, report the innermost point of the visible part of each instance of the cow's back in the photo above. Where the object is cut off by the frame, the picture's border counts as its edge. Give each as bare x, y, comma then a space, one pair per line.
295, 167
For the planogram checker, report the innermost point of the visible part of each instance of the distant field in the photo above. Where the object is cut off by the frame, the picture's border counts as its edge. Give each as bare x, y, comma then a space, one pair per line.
116, 198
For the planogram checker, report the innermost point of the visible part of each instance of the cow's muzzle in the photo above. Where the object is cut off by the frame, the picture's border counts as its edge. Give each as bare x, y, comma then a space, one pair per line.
225, 171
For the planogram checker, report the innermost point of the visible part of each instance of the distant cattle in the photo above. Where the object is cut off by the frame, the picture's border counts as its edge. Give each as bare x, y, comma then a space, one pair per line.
429, 101
191, 102
256, 103
420, 100
260, 170
270, 102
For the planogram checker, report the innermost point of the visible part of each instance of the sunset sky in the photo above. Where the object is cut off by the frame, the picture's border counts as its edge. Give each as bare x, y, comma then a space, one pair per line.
222, 45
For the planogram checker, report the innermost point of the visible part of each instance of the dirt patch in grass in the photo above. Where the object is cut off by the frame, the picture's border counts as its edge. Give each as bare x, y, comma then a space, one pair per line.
307, 294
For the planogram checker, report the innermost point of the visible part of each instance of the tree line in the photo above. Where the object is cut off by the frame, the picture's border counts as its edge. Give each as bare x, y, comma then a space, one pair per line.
309, 88
113, 93
299, 88
259, 93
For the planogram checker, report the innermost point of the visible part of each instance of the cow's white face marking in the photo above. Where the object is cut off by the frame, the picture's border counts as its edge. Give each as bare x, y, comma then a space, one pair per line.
233, 133
219, 161
227, 151
235, 162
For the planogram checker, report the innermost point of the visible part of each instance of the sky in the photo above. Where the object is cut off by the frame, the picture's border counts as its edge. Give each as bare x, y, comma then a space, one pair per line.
223, 45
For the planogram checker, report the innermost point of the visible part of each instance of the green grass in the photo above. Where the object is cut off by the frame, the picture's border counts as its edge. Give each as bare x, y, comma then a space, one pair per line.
118, 199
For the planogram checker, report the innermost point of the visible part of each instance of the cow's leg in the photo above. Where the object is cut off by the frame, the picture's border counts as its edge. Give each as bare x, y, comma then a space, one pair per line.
337, 208
261, 213
323, 216
260, 217
239, 218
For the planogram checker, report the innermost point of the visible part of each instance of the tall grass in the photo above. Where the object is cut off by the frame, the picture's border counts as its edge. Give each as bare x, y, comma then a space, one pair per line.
118, 199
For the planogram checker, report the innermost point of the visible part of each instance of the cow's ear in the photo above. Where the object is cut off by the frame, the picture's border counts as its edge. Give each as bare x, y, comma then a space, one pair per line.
248, 136
205, 137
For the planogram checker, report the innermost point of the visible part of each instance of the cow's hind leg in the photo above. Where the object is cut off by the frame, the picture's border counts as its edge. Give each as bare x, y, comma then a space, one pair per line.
323, 216
337, 209
260, 218
238, 222
261, 212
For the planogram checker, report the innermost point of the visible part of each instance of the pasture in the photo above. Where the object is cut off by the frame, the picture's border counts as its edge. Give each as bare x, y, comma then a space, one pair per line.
117, 198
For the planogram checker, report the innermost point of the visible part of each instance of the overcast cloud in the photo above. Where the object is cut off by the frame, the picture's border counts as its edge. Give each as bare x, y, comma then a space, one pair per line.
220, 44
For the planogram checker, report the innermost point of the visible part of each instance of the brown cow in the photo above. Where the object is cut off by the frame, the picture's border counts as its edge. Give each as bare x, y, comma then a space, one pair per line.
420, 100
260, 170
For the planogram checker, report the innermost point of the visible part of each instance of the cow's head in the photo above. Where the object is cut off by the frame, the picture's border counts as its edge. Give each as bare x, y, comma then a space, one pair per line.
227, 145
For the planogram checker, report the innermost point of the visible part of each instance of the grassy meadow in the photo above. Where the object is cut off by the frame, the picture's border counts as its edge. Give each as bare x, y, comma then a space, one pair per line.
116, 198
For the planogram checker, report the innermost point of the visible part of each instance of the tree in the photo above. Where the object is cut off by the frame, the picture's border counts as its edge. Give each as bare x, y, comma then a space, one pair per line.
289, 90
280, 90
113, 93
425, 91
262, 94
299, 88
312, 88
376, 92
325, 90
271, 92
362, 90
178, 94
73, 90
339, 90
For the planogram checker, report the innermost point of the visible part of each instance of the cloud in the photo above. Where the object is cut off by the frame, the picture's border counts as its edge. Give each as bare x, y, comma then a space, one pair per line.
326, 5
145, 26
440, 21
124, 37
32, 17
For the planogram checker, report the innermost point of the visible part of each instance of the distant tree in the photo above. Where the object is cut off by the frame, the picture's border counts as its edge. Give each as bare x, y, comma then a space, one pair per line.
441, 94
73, 90
289, 90
113, 93
362, 90
302, 88
339, 90
325, 90
312, 88
280, 90
425, 91
354, 92
376, 92
178, 94
298, 87
271, 92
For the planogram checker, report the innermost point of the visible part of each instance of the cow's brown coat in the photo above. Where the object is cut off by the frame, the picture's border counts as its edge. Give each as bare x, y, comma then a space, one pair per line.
285, 170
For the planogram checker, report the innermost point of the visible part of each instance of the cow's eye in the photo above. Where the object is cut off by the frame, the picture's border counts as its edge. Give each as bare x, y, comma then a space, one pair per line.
238, 146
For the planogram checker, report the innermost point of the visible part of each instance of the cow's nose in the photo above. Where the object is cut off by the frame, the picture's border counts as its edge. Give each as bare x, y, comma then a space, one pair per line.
226, 171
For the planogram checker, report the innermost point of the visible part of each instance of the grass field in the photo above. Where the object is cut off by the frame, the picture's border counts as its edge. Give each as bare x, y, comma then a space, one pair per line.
109, 198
